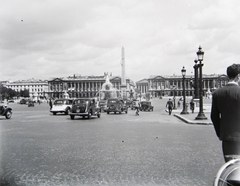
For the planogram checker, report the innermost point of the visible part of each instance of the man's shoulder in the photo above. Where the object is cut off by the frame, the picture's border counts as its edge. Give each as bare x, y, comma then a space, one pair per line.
227, 87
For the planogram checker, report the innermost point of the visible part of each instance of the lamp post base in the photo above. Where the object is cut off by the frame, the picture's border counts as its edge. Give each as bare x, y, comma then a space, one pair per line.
200, 116
184, 112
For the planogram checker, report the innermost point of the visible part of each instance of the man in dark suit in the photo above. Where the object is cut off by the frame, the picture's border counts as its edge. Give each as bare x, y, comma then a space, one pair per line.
225, 113
169, 105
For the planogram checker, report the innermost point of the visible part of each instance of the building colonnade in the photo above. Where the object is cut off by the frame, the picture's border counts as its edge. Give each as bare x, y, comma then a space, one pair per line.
82, 86
173, 86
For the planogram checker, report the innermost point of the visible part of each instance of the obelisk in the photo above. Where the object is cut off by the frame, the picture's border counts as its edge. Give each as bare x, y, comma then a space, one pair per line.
123, 79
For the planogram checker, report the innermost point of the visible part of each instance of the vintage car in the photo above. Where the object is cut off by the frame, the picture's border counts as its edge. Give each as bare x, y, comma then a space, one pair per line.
23, 101
5, 111
85, 107
116, 105
11, 101
61, 106
128, 103
30, 103
134, 104
145, 106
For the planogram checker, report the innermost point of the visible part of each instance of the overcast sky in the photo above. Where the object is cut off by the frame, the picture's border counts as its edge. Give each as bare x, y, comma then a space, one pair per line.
58, 38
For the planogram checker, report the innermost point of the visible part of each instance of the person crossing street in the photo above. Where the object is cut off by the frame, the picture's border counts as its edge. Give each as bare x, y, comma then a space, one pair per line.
169, 105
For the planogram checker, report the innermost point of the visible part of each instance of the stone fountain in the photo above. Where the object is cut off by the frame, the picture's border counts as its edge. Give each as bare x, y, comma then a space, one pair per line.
108, 91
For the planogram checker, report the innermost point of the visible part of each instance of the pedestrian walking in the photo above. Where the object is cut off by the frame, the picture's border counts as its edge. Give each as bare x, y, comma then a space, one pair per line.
225, 113
179, 103
50, 103
192, 106
169, 105
137, 107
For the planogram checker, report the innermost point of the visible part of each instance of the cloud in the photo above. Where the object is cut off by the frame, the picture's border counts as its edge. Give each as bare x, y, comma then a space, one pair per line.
53, 38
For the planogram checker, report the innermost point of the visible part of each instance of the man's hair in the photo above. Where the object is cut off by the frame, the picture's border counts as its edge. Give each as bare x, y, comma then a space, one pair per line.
233, 71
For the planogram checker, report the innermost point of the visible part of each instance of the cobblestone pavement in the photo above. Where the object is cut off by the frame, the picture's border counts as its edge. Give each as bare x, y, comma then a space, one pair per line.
154, 148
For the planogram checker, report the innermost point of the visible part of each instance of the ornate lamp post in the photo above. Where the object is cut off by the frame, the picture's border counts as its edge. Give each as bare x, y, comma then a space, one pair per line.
201, 115
196, 91
174, 99
184, 111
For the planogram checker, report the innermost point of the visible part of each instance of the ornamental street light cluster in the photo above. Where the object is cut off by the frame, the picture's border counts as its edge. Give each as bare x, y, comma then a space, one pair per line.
199, 83
198, 89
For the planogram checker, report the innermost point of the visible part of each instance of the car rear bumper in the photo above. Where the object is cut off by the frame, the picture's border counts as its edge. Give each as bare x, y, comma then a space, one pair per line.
83, 113
54, 111
79, 114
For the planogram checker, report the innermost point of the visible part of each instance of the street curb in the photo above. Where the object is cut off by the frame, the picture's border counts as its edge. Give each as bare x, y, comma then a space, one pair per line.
196, 122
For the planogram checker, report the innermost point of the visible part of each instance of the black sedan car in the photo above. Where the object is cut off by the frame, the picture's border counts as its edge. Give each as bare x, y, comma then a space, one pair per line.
146, 106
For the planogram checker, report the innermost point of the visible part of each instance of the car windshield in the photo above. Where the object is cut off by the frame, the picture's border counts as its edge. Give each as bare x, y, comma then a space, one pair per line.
59, 102
112, 101
81, 101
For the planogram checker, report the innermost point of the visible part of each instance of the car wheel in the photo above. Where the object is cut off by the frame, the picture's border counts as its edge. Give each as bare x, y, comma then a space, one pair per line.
54, 113
8, 115
67, 111
72, 117
126, 111
99, 115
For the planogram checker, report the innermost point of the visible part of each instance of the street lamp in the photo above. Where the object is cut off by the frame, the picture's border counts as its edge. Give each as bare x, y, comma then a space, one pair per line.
201, 115
184, 111
174, 99
196, 91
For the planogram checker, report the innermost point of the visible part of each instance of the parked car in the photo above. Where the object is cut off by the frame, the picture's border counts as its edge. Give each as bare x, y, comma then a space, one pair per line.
61, 106
103, 105
5, 111
146, 106
116, 105
30, 103
134, 104
85, 107
23, 101
128, 103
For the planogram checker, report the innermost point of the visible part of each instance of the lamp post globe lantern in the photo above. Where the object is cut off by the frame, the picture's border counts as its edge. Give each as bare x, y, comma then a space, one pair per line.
200, 54
184, 111
201, 115
183, 72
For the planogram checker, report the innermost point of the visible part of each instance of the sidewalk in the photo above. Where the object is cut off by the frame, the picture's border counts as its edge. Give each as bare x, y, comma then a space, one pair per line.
190, 118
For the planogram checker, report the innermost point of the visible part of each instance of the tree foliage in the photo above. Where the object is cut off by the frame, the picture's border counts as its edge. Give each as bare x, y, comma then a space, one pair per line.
7, 93
24, 93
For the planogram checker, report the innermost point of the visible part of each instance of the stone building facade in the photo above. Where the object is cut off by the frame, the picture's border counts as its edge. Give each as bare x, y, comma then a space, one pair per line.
173, 85
37, 88
83, 86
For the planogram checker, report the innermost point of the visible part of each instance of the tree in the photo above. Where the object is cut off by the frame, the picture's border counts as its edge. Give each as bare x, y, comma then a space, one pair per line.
6, 93
24, 93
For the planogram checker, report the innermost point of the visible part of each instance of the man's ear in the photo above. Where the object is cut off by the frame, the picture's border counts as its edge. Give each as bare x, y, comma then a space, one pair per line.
236, 79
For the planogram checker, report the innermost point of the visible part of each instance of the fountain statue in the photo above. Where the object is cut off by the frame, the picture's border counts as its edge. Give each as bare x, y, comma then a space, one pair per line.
108, 91
65, 95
